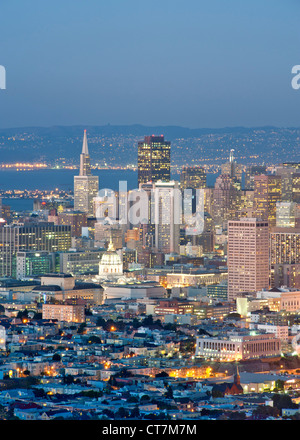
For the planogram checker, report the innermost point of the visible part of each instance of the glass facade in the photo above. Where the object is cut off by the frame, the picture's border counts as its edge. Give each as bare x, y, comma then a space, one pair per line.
154, 160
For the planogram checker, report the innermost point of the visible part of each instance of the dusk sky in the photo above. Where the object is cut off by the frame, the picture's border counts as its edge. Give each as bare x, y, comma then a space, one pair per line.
193, 63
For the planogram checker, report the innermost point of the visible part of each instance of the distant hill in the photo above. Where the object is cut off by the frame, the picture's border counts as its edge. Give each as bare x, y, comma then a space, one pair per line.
117, 144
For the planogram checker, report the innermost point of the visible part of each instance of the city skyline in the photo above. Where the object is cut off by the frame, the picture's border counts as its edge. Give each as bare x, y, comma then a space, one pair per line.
149, 266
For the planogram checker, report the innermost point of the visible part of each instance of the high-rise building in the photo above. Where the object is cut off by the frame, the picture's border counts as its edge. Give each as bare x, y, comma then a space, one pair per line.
86, 186
232, 168
129, 257
192, 178
267, 192
225, 199
251, 171
296, 187
247, 256
31, 237
154, 159
286, 173
167, 213
285, 257
76, 219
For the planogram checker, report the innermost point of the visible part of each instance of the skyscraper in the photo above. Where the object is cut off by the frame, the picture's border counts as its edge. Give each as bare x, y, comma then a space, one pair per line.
76, 219
154, 160
248, 256
167, 216
251, 171
192, 178
285, 257
232, 168
86, 186
296, 187
31, 237
267, 192
225, 200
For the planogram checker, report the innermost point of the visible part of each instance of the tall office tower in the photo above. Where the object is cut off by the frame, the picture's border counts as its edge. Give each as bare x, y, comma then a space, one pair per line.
226, 200
267, 192
286, 173
251, 171
38, 237
192, 178
232, 168
296, 187
167, 212
154, 160
86, 186
247, 203
207, 238
148, 228
285, 257
208, 194
247, 256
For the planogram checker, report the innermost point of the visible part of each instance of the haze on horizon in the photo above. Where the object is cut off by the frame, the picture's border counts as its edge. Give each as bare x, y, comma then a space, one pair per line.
191, 63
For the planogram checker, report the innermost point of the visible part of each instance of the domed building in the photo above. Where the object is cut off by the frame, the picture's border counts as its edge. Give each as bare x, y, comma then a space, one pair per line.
111, 265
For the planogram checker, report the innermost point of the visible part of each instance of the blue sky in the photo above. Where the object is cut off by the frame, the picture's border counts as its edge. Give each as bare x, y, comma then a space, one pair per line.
194, 63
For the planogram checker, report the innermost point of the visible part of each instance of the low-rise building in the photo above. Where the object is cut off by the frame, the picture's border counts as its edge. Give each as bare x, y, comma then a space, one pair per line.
64, 312
238, 347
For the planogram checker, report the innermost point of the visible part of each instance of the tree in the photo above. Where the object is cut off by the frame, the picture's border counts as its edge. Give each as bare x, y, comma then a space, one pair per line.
144, 398
162, 374
100, 322
135, 412
92, 394
132, 399
148, 320
94, 340
281, 401
68, 379
108, 413
81, 328
263, 412
188, 344
122, 413
56, 357
39, 392
22, 314
169, 393
232, 415
217, 393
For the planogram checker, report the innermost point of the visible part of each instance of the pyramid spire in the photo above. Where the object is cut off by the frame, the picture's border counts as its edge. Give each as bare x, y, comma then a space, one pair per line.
85, 168
85, 144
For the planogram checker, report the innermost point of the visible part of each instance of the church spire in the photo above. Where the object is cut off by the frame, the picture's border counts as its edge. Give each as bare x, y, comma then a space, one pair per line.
237, 377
